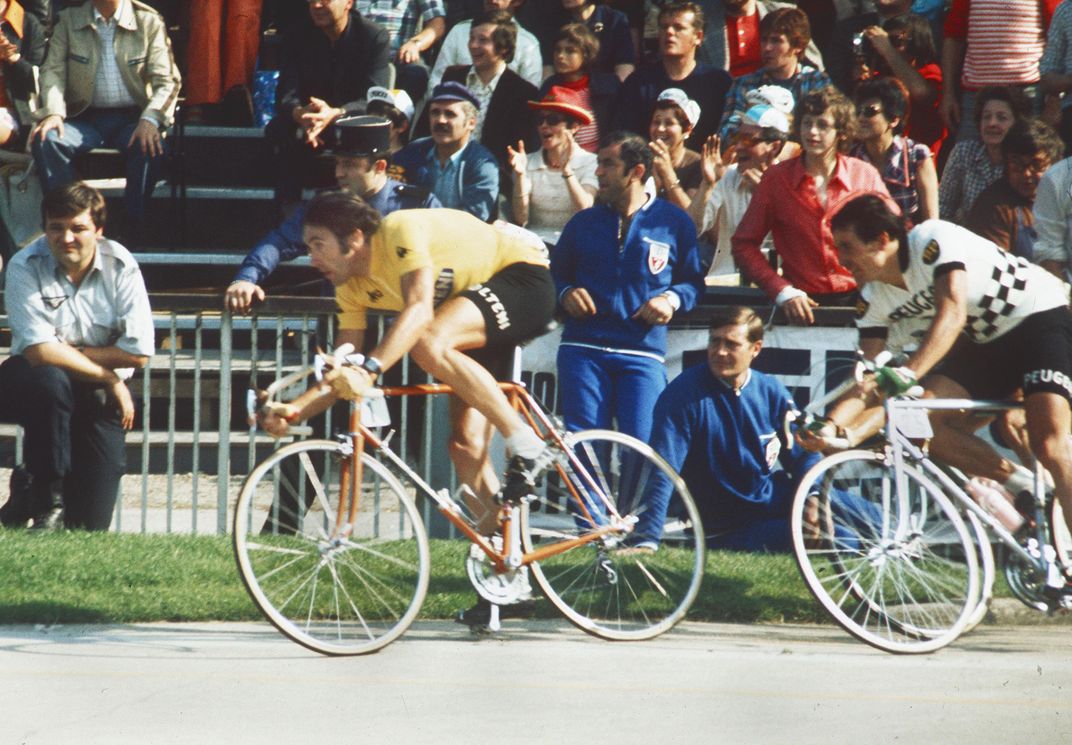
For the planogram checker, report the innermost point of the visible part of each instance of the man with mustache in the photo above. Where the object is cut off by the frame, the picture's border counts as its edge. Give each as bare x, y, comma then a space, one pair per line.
462, 173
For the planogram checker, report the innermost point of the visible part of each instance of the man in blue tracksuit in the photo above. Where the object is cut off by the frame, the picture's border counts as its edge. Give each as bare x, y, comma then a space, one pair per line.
723, 427
622, 269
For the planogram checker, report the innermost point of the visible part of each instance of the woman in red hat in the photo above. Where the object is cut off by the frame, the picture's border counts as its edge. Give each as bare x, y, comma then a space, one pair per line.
559, 179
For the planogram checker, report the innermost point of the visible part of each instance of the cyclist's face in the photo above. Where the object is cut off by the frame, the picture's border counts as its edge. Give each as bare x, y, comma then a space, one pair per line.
865, 260
730, 353
327, 257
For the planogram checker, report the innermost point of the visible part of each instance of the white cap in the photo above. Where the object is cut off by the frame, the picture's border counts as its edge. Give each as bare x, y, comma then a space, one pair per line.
774, 96
395, 97
767, 116
686, 104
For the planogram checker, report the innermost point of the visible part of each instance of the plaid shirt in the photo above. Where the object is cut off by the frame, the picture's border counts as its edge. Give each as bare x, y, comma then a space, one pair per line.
899, 171
402, 18
806, 80
1058, 55
967, 172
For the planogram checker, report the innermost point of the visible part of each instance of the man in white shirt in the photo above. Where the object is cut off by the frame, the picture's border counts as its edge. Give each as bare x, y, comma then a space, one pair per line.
527, 61
720, 203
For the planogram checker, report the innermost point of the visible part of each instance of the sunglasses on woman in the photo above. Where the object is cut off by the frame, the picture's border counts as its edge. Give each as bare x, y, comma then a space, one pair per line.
551, 119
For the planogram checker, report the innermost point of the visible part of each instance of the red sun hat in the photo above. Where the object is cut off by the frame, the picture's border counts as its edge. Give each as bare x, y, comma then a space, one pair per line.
564, 101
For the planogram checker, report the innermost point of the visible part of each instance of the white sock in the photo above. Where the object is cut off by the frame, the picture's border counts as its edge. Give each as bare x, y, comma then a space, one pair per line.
1021, 480
525, 443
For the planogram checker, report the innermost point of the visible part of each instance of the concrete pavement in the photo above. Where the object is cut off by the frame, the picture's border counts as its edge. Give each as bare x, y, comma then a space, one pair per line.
538, 682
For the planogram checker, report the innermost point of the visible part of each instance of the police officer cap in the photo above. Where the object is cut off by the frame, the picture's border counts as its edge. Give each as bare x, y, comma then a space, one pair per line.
360, 135
453, 92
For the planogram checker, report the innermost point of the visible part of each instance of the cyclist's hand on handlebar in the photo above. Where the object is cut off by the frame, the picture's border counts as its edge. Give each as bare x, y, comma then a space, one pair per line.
349, 383
275, 418
894, 381
813, 442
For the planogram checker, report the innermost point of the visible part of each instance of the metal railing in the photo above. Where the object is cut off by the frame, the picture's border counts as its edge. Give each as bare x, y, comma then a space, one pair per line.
192, 445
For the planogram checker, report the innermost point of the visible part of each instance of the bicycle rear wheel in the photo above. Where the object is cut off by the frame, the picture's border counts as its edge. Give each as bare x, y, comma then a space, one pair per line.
332, 589
896, 567
612, 491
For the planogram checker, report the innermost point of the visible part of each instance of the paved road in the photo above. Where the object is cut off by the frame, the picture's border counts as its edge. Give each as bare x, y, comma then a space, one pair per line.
535, 683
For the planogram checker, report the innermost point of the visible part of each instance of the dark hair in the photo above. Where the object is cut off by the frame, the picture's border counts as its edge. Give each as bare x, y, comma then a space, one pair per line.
828, 98
679, 113
919, 40
634, 150
504, 37
580, 36
792, 22
342, 213
1032, 137
736, 315
869, 215
73, 199
1014, 97
678, 6
891, 93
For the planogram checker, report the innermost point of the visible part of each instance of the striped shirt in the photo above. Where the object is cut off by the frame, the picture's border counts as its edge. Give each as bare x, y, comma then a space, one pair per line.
109, 91
1004, 39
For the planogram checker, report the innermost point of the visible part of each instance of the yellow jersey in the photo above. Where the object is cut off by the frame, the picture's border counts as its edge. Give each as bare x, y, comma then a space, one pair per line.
461, 250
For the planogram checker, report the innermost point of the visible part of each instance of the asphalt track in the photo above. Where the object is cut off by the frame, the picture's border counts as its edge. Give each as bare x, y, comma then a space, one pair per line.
537, 682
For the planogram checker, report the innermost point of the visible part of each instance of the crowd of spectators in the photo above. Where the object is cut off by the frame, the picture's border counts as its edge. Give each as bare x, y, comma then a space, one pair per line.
714, 132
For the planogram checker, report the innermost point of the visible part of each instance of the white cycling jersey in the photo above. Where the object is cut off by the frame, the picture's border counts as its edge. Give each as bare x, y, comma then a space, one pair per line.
1002, 291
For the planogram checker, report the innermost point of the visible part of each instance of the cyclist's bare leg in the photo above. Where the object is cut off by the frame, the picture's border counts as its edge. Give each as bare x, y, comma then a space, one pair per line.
470, 439
955, 442
458, 325
1048, 422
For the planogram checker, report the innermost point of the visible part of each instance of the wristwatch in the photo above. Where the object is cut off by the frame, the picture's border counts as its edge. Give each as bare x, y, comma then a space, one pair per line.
372, 366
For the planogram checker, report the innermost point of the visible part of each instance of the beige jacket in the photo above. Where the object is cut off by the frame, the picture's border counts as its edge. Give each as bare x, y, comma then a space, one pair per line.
142, 49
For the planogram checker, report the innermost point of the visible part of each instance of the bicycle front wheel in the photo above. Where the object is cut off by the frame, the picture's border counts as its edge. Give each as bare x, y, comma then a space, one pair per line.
336, 589
640, 559
893, 563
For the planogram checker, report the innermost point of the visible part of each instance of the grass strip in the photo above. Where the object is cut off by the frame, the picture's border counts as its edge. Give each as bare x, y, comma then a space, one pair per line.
79, 577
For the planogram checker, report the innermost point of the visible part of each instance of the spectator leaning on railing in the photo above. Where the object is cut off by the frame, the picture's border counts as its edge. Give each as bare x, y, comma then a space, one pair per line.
360, 146
791, 203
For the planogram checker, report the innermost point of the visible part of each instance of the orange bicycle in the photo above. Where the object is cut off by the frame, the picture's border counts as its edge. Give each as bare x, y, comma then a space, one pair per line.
331, 546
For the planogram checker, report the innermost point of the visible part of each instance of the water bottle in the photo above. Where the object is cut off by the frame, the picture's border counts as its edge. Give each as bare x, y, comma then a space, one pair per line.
993, 497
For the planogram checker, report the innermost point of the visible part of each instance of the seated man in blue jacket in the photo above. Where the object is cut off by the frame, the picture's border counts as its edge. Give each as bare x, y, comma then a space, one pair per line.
462, 173
724, 427
361, 146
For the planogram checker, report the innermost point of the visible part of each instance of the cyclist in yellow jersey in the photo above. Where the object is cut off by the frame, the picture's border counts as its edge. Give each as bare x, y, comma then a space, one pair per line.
460, 286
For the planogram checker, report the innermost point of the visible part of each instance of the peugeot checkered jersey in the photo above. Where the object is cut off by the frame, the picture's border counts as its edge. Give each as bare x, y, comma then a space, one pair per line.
1002, 289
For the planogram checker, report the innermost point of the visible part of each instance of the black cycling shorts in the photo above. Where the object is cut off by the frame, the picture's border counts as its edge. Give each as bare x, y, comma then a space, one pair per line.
1035, 356
517, 304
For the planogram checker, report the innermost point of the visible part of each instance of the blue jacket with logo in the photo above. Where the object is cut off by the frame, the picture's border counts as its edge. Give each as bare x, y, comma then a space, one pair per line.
724, 443
657, 253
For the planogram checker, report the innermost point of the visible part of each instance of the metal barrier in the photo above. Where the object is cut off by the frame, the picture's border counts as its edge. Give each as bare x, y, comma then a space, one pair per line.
187, 458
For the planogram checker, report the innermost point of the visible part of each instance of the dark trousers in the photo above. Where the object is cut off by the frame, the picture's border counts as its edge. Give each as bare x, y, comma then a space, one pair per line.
73, 437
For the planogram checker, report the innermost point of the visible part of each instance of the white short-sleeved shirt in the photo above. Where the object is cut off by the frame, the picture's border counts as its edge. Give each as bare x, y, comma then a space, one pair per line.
109, 308
550, 206
1002, 290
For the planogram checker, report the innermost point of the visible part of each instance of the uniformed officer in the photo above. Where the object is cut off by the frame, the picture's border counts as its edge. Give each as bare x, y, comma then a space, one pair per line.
361, 146
80, 324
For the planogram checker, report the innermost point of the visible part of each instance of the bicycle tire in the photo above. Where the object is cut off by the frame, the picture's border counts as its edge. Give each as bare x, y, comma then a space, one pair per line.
337, 594
896, 568
604, 586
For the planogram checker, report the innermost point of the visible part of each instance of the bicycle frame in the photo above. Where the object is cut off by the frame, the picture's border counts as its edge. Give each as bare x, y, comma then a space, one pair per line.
900, 447
511, 556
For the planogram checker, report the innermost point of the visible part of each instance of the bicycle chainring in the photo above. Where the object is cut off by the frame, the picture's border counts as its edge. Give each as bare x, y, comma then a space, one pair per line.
500, 588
